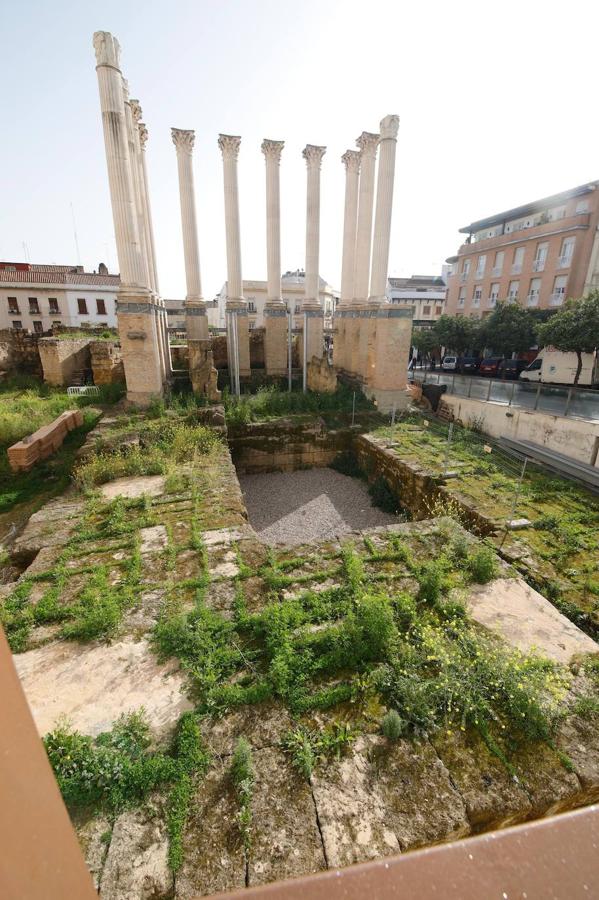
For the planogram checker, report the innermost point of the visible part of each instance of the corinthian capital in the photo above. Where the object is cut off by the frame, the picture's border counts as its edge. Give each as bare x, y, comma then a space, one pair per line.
135, 111
313, 155
389, 128
108, 49
351, 160
229, 145
183, 140
367, 142
143, 134
273, 149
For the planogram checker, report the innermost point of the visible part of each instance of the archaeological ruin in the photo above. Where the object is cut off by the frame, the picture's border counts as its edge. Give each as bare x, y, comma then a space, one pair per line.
281, 613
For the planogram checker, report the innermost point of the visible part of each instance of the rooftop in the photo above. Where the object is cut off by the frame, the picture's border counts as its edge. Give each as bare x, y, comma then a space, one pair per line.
530, 208
30, 273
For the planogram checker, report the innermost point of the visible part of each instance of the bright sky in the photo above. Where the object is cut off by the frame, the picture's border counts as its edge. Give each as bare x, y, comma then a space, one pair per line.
497, 105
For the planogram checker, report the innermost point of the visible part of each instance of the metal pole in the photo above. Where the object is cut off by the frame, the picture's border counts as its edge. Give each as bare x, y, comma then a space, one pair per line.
515, 503
568, 401
489, 391
353, 409
512, 394
235, 336
453, 383
289, 349
229, 323
305, 354
447, 445
537, 396
393, 415
469, 388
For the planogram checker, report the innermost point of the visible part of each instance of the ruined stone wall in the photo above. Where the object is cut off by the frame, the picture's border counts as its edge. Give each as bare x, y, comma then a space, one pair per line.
19, 353
321, 377
180, 356
219, 350
107, 362
285, 445
62, 360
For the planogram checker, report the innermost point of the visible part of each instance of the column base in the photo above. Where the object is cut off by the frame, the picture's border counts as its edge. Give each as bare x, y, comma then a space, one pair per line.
386, 400
275, 338
139, 338
313, 321
196, 320
237, 307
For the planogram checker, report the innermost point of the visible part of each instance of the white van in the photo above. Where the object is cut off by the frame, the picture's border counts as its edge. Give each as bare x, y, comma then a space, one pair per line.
556, 367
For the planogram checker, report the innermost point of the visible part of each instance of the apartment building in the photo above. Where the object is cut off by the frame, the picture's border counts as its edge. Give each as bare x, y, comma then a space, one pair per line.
424, 293
536, 255
292, 292
36, 297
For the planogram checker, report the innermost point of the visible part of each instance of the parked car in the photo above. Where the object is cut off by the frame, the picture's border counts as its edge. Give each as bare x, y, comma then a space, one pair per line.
490, 365
449, 364
511, 368
468, 364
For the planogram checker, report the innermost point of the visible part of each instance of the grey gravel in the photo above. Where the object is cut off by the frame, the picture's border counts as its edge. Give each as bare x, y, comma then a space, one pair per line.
308, 505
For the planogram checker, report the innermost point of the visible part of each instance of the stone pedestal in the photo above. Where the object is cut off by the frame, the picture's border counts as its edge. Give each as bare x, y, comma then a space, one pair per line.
139, 339
237, 317
313, 335
202, 372
392, 337
275, 339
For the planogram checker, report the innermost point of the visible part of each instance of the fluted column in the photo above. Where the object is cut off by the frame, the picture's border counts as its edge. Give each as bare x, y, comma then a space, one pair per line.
275, 313
367, 143
238, 346
139, 331
384, 206
313, 314
143, 139
120, 180
136, 180
343, 333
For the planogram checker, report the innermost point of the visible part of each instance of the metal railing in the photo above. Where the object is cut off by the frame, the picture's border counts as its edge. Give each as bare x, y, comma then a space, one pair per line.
538, 265
557, 298
557, 400
516, 268
564, 262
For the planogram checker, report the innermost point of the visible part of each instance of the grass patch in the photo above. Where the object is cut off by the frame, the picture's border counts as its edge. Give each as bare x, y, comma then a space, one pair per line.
272, 402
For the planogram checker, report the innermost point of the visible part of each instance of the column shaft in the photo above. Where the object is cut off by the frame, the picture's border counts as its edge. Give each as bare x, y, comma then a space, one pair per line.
275, 314
343, 322
384, 206
367, 142
137, 189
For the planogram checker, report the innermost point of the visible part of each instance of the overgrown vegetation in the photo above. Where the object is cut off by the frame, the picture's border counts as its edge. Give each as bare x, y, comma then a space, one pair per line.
242, 773
119, 768
272, 402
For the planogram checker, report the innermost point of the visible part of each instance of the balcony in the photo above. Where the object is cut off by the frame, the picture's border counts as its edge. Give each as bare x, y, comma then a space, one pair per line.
538, 265
13, 311
568, 223
532, 300
492, 301
516, 268
557, 298
34, 309
463, 277
496, 271
564, 262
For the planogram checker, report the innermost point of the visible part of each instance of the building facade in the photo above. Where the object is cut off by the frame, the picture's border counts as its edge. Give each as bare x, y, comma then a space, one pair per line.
536, 255
424, 293
292, 292
36, 297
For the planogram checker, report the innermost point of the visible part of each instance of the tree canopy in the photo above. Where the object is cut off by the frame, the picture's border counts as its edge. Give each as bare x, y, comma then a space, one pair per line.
509, 329
457, 333
574, 329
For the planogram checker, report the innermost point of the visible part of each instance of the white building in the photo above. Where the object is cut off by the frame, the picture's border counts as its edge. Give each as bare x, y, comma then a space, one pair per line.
292, 291
35, 298
425, 293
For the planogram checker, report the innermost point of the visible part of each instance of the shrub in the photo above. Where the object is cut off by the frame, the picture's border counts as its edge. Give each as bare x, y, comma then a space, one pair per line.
431, 581
482, 565
392, 725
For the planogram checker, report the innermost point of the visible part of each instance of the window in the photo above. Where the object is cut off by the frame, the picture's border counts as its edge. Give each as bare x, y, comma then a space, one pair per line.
480, 266
494, 295
540, 257
101, 307
559, 290
565, 257
251, 325
38, 327
34, 307
81, 306
438, 310
17, 325
498, 267
296, 310
582, 207
518, 260
512, 295
251, 306
56, 324
426, 310
13, 306
462, 297
532, 298
478, 291
465, 269
53, 304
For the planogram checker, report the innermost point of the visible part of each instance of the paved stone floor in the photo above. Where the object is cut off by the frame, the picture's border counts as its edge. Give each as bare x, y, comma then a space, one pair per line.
308, 505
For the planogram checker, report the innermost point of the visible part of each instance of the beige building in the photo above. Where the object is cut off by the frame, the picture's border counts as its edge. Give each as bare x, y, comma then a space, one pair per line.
424, 293
36, 297
292, 292
536, 255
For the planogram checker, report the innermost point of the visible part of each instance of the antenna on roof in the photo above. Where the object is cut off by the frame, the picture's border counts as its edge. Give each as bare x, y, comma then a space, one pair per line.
75, 234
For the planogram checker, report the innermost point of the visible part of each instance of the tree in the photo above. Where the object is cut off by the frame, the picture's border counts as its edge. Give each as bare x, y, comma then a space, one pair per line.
425, 340
509, 329
457, 333
574, 329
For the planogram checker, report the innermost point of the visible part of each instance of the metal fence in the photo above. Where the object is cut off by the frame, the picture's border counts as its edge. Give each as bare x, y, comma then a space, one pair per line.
554, 399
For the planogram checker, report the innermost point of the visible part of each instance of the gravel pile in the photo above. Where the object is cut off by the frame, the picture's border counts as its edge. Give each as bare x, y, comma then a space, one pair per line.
308, 505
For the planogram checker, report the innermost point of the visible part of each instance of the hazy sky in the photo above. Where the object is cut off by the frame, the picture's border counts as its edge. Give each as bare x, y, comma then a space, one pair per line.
498, 106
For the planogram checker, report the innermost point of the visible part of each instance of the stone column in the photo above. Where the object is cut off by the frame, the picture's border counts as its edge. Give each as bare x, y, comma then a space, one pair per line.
196, 320
313, 313
343, 318
275, 312
367, 142
391, 337
135, 309
238, 342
